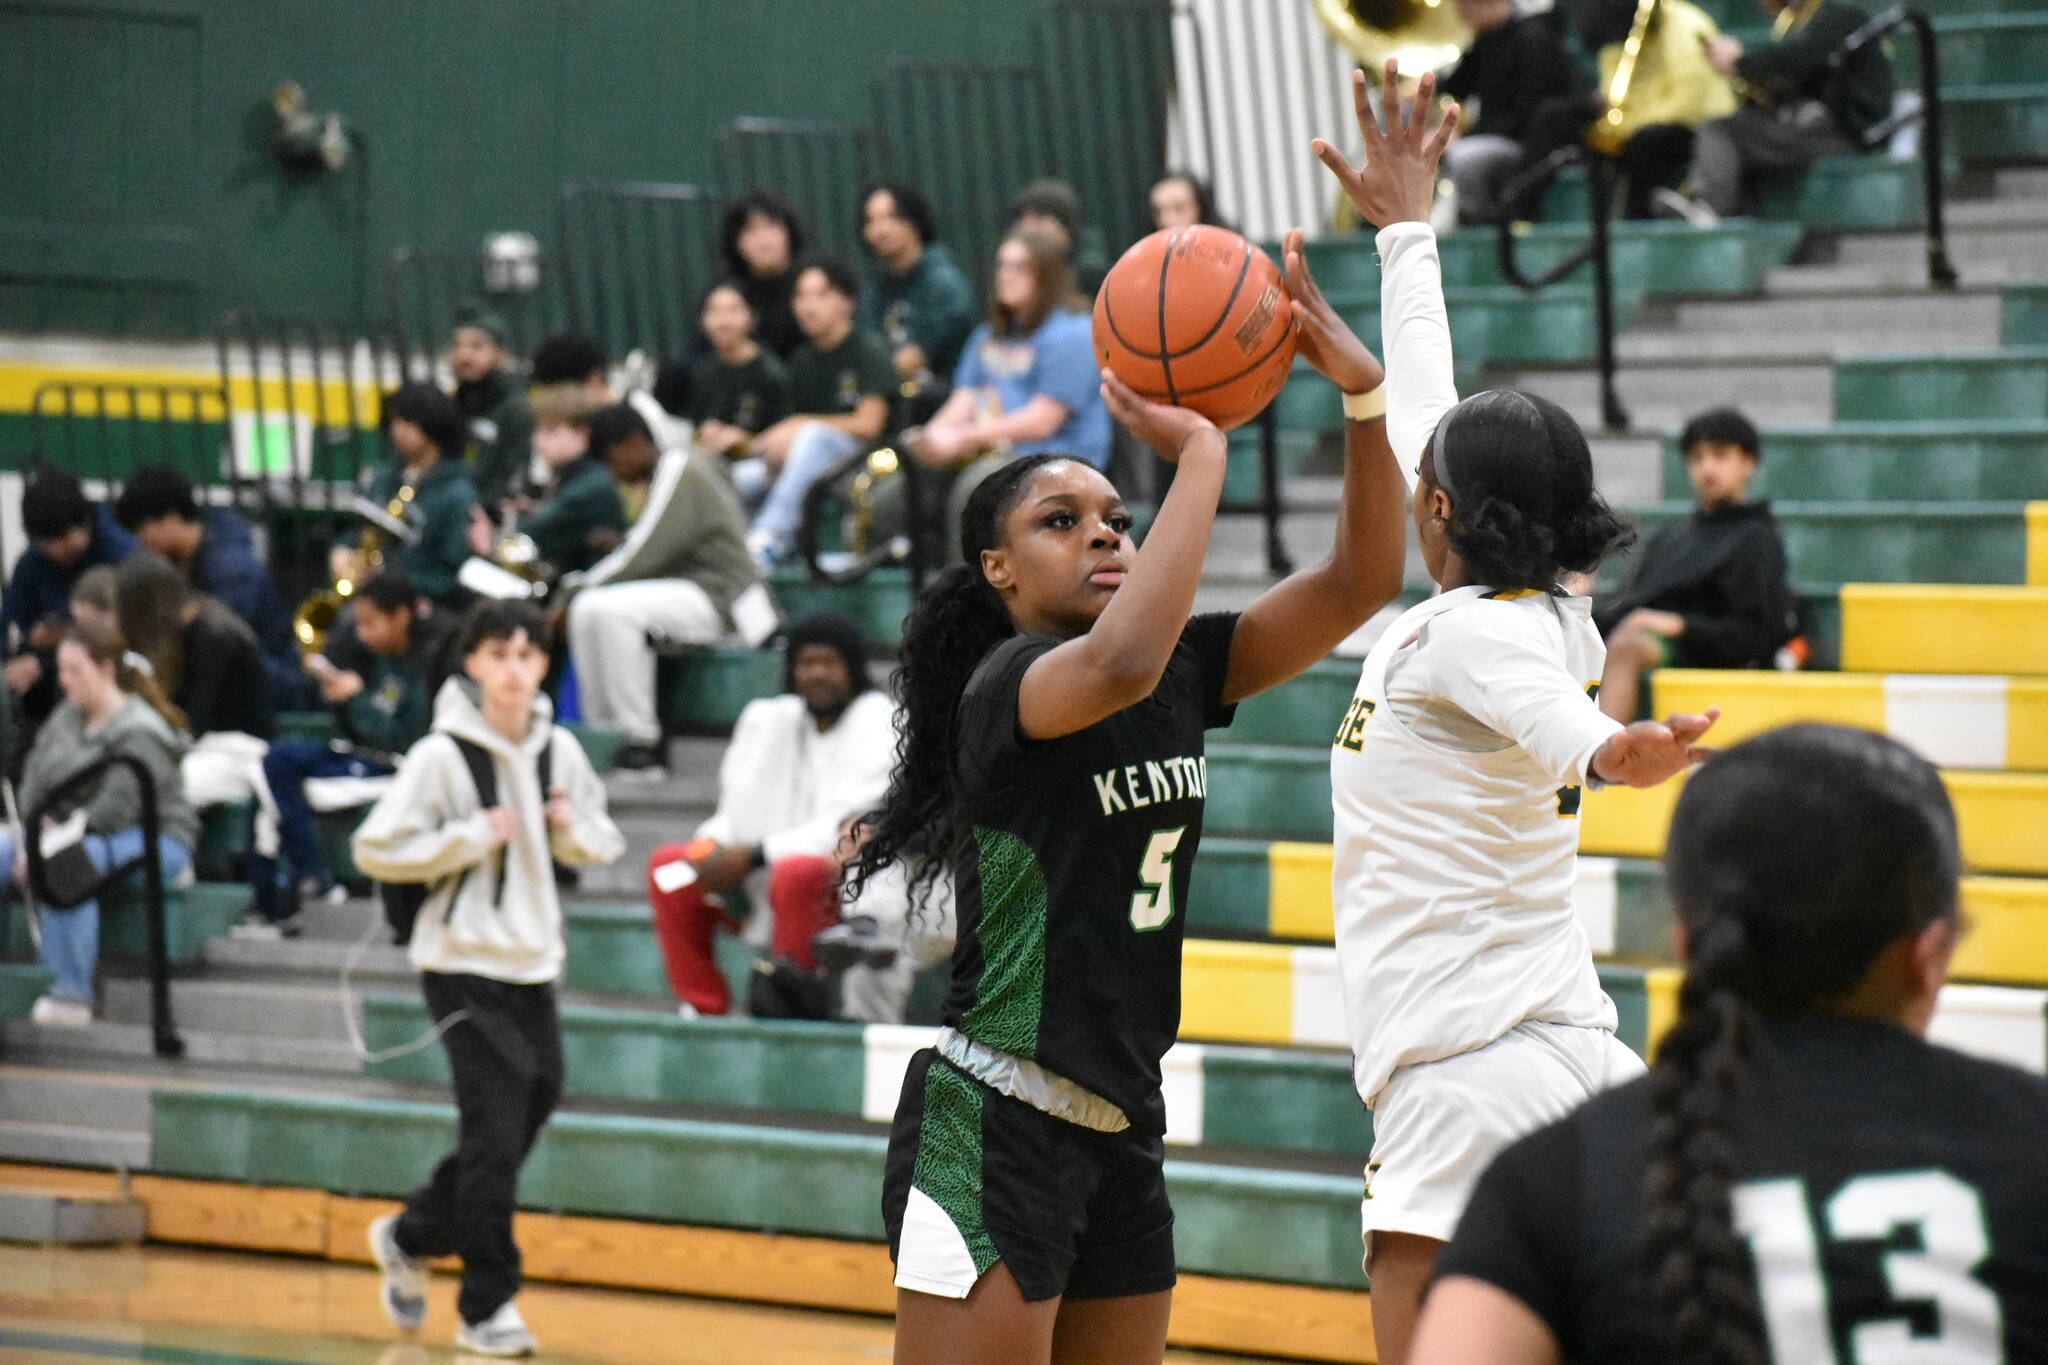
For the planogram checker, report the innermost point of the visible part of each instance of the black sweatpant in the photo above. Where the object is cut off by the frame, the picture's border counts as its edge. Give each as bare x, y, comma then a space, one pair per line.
507, 1063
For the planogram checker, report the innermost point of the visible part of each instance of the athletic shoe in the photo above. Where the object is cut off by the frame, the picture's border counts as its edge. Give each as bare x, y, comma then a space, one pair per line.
858, 942
686, 1010
502, 1334
58, 1011
765, 549
254, 928
320, 891
404, 1293
1672, 204
640, 763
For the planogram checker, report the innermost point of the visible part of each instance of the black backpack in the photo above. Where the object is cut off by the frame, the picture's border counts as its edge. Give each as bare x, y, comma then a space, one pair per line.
402, 900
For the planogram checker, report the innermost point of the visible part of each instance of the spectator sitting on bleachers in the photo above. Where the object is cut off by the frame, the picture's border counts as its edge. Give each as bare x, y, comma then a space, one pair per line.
1818, 108
841, 385
378, 677
579, 518
1027, 383
426, 429
1517, 72
760, 241
738, 389
682, 576
216, 551
109, 707
67, 535
1706, 592
492, 397
92, 598
1672, 90
887, 935
1049, 207
918, 301
1182, 199
206, 662
799, 767
575, 358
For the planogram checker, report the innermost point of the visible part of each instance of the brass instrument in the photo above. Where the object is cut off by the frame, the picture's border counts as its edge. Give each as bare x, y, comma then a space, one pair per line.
1611, 129
860, 496
1788, 18
321, 609
1421, 35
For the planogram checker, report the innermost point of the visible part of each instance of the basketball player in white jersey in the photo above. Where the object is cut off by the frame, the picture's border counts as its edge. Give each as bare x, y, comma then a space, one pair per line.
1474, 1012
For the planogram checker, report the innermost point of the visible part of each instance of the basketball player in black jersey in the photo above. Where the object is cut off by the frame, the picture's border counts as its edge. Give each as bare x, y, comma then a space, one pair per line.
1801, 1178
1055, 694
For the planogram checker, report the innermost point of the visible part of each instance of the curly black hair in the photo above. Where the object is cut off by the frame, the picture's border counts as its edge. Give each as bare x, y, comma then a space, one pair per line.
1519, 475
957, 619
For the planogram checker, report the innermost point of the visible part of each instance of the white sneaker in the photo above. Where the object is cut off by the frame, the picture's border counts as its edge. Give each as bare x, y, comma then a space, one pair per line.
1674, 204
686, 1010
59, 1012
404, 1293
503, 1334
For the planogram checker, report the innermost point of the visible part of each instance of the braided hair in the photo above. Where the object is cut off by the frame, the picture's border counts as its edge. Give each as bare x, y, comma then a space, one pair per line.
957, 619
1519, 475
1794, 860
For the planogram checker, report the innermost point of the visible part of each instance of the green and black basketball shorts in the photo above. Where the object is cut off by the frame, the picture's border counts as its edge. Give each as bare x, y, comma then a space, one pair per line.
975, 1177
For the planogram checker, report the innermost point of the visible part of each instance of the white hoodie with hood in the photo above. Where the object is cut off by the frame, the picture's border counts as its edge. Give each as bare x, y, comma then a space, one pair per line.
430, 827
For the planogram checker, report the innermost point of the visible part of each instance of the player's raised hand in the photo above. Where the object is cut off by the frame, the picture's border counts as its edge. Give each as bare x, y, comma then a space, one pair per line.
1325, 340
1398, 180
1167, 429
1650, 752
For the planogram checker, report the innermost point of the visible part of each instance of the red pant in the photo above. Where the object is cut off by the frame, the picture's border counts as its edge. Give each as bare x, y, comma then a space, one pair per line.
801, 897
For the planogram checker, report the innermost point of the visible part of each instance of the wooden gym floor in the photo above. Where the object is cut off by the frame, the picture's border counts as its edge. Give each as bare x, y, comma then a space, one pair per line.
184, 1307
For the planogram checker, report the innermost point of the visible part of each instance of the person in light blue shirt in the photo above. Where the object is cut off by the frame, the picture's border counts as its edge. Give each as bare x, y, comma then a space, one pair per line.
1027, 382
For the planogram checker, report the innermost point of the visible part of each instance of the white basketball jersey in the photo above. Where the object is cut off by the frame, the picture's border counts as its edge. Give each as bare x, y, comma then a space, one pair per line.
1456, 773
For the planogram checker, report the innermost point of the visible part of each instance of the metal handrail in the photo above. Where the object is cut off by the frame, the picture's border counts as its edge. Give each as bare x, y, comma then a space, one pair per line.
163, 1031
1598, 249
1941, 271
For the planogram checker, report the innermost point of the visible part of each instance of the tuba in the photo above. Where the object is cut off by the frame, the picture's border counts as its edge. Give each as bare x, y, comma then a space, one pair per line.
1421, 35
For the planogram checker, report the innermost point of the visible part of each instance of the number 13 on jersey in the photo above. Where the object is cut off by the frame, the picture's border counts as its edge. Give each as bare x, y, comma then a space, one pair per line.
1152, 904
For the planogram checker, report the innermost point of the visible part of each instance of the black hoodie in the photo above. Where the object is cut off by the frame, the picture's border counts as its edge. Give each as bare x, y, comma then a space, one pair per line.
1723, 570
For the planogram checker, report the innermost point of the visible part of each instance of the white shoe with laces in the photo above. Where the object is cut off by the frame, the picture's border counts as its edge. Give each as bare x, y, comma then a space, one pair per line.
503, 1334
57, 1011
404, 1293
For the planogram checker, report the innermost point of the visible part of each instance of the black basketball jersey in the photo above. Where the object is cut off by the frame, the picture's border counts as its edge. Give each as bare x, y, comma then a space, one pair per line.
1070, 899
1893, 1196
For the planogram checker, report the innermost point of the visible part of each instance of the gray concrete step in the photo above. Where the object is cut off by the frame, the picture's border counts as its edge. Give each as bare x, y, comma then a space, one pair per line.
376, 965
85, 1099
1981, 254
64, 1144
1804, 330
1661, 396
101, 1041
266, 1011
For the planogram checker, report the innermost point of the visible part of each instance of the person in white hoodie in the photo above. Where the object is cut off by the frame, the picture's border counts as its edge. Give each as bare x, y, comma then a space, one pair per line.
489, 946
800, 766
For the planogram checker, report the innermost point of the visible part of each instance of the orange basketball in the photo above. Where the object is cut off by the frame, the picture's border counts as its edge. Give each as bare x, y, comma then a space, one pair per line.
1197, 317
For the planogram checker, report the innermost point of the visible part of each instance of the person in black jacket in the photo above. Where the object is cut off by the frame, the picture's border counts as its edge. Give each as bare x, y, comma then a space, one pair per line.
1816, 108
1517, 72
216, 551
1709, 591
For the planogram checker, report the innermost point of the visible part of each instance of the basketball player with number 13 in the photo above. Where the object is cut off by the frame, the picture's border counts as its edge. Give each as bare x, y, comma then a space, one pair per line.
1470, 996
1055, 695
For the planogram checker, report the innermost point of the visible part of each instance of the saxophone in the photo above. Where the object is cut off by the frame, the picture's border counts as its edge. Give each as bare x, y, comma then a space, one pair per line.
321, 609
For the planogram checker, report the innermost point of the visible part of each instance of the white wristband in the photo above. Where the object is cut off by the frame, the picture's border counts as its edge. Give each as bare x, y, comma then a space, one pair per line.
1364, 407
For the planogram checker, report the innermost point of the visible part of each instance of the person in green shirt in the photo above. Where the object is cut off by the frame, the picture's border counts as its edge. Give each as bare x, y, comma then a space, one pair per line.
737, 388
428, 477
1818, 108
581, 519
841, 382
492, 396
919, 302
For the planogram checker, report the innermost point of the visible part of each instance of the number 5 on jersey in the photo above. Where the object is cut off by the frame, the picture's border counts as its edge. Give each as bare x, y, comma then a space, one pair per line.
1152, 905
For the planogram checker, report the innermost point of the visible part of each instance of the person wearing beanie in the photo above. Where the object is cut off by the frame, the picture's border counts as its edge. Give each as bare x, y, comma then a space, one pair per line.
801, 767
492, 397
